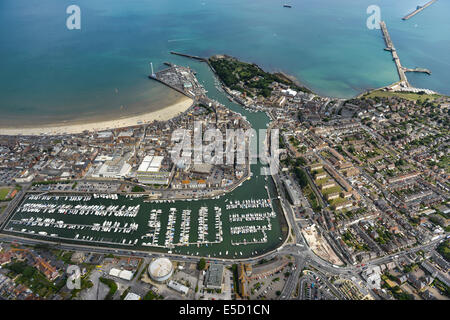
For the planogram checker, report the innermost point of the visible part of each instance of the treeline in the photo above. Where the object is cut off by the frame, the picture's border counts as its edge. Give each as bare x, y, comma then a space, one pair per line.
42, 183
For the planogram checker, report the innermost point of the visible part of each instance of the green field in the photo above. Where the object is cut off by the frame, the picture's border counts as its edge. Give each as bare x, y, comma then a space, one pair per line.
405, 95
3, 193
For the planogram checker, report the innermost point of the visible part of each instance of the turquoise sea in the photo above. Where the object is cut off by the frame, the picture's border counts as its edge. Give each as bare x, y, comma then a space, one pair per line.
49, 73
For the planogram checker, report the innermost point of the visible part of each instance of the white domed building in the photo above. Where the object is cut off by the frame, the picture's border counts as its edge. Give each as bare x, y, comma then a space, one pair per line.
160, 269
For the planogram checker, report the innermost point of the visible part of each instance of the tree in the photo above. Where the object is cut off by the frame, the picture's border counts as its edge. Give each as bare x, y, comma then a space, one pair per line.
137, 189
201, 264
301, 161
444, 249
301, 176
28, 272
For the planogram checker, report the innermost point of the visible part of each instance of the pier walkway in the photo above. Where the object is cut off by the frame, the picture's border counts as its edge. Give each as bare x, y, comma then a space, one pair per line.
419, 9
400, 69
390, 47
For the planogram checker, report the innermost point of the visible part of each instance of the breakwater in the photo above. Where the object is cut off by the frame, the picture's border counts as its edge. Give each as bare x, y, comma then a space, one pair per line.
419, 9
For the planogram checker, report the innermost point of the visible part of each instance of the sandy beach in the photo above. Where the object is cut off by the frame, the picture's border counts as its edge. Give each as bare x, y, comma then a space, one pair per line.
79, 127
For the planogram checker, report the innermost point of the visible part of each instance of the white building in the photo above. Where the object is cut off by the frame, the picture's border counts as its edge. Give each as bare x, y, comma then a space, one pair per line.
178, 287
289, 92
122, 274
149, 172
132, 296
293, 191
113, 167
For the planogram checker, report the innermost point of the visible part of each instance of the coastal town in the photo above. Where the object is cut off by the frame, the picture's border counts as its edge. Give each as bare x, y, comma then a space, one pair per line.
140, 155
366, 177
356, 210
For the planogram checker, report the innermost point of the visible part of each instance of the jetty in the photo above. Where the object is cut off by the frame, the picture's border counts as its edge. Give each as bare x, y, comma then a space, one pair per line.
390, 47
189, 56
418, 9
400, 69
423, 70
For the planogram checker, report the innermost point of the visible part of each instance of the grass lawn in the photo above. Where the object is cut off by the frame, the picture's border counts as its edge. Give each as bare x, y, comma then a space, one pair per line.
310, 195
337, 201
3, 193
318, 171
331, 190
320, 182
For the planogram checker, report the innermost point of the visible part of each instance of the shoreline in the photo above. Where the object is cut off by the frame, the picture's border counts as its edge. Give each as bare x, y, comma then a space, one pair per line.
78, 127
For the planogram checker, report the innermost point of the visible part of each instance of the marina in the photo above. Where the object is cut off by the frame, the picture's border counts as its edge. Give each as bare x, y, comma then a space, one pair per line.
116, 220
249, 216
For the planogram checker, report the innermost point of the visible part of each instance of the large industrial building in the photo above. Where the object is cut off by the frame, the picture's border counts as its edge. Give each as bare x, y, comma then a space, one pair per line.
149, 172
114, 167
160, 269
214, 277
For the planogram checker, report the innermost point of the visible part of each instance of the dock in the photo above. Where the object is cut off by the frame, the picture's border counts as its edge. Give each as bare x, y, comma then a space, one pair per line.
400, 69
181, 79
170, 86
419, 9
